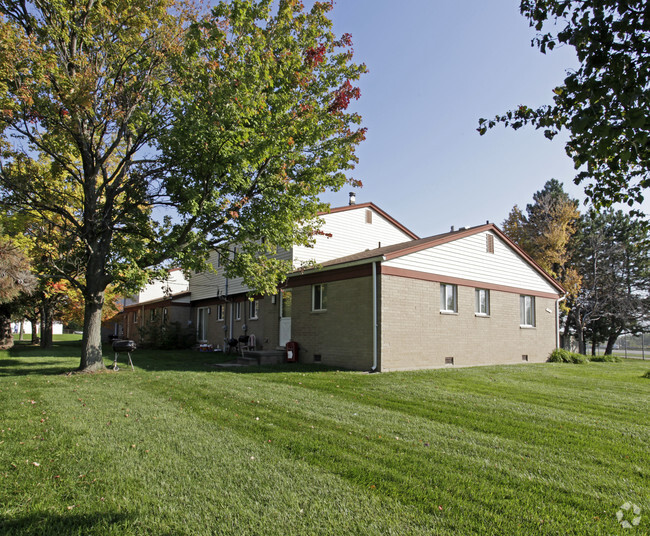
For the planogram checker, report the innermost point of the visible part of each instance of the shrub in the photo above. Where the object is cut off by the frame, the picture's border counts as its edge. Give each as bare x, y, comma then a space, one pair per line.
605, 359
646, 375
560, 355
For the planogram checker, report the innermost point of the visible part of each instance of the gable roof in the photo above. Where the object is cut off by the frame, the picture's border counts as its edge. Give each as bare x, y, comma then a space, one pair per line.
404, 248
376, 209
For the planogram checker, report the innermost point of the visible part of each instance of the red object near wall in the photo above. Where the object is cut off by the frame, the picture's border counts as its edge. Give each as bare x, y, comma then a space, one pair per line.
292, 351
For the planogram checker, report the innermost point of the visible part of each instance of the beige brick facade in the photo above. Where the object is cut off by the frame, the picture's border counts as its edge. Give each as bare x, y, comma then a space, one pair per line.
415, 334
265, 327
340, 335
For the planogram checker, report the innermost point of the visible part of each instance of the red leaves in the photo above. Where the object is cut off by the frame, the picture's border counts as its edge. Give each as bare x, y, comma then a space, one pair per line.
315, 56
343, 96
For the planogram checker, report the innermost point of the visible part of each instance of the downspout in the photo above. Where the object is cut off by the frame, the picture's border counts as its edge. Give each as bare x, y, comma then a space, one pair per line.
557, 321
374, 317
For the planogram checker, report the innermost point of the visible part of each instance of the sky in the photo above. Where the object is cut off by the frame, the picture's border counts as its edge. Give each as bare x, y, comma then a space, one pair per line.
435, 68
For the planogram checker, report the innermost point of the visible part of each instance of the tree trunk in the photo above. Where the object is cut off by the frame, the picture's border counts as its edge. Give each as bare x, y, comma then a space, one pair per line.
580, 333
35, 338
46, 326
22, 330
566, 338
6, 336
611, 341
91, 342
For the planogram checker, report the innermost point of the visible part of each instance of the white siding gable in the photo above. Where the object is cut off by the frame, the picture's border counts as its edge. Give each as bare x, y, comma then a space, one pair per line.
467, 258
351, 233
157, 289
210, 285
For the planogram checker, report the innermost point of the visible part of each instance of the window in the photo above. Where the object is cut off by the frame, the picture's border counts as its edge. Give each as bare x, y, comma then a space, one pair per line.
286, 299
253, 307
221, 313
238, 310
319, 297
448, 298
165, 314
489, 243
449, 360
482, 302
152, 315
135, 317
527, 310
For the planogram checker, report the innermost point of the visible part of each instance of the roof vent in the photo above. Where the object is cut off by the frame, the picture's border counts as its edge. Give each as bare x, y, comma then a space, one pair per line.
353, 199
452, 229
463, 228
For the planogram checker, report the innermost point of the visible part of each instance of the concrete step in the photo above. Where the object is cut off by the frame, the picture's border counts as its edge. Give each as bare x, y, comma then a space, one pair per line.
262, 357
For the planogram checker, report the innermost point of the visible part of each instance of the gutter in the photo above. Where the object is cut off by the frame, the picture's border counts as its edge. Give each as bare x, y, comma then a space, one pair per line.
317, 269
374, 317
557, 321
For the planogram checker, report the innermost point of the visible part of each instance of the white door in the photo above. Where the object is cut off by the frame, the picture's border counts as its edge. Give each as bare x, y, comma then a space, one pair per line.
285, 316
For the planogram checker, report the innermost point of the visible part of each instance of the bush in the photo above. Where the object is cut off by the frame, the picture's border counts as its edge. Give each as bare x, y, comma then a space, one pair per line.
646, 375
605, 359
560, 355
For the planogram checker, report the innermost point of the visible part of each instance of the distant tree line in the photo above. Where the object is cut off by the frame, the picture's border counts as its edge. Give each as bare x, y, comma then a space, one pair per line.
601, 258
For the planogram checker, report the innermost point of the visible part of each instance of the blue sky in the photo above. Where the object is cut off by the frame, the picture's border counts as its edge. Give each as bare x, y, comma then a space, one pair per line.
436, 67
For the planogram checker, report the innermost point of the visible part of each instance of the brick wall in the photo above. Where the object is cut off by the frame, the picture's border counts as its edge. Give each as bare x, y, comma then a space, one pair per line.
341, 335
416, 335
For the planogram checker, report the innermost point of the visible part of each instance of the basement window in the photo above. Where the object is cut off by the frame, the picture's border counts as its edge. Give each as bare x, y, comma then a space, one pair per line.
524, 357
449, 360
318, 358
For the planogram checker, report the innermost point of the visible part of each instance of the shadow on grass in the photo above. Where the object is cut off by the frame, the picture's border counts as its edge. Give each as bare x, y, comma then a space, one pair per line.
63, 357
61, 525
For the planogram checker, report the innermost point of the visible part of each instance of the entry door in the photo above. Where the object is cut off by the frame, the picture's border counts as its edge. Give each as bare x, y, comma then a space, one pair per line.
285, 316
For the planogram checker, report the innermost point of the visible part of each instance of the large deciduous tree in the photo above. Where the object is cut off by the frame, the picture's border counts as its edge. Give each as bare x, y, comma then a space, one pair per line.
604, 104
15, 277
145, 131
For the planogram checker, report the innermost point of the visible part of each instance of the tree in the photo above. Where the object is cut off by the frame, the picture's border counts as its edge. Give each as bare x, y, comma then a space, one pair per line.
604, 104
167, 132
15, 278
546, 229
615, 264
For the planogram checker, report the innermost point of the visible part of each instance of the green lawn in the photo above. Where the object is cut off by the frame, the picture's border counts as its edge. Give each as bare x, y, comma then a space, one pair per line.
179, 447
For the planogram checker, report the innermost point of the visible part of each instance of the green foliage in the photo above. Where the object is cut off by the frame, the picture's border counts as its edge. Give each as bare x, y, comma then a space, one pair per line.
605, 359
605, 103
646, 375
148, 132
560, 355
166, 336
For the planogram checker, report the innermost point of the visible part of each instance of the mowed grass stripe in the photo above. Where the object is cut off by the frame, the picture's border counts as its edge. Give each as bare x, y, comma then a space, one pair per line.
501, 461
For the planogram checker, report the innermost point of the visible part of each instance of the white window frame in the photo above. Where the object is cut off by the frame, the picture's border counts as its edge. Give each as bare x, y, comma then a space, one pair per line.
478, 293
319, 297
221, 312
238, 310
445, 290
253, 309
527, 311
135, 317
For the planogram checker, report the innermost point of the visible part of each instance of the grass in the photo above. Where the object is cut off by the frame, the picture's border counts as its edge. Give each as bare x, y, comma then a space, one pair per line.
181, 448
